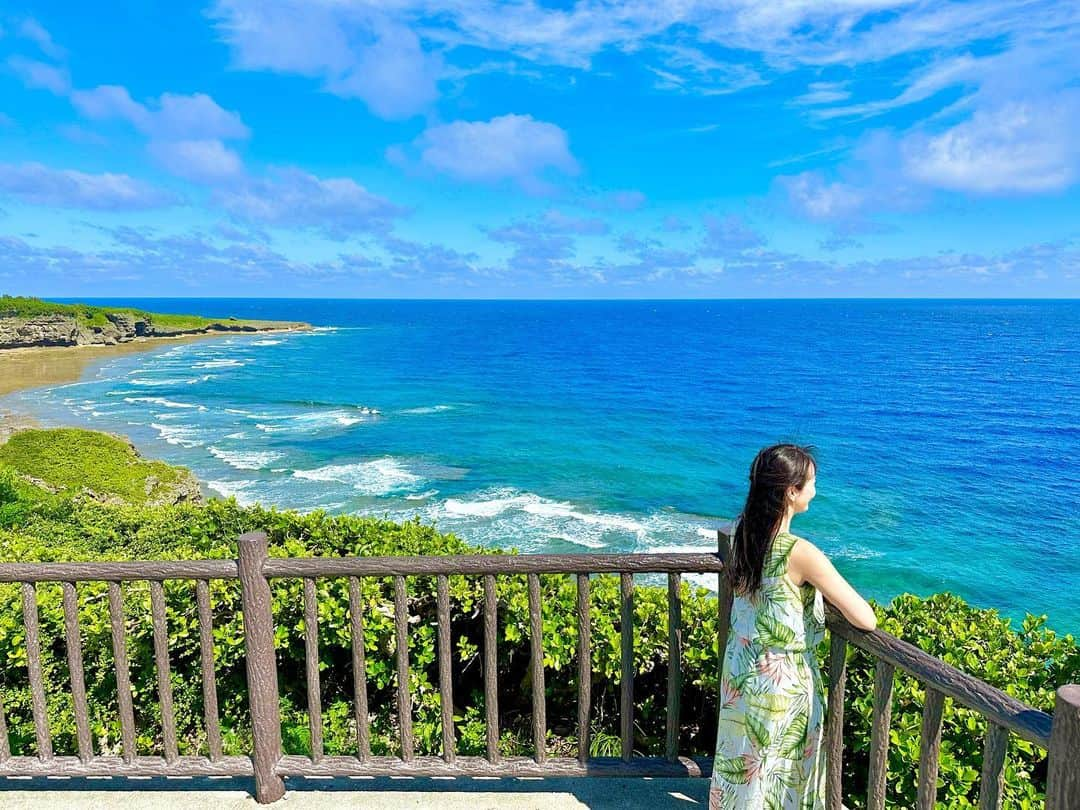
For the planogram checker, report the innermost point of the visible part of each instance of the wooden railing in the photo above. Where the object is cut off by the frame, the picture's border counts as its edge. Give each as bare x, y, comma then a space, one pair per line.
269, 766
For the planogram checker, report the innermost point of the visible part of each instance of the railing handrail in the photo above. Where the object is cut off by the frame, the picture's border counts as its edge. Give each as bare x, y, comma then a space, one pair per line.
1020, 718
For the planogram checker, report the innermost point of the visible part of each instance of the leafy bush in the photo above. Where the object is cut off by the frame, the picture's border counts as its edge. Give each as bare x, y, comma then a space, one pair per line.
1028, 663
75, 460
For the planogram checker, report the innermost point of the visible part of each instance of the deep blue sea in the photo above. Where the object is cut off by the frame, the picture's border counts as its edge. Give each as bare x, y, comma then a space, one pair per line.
947, 432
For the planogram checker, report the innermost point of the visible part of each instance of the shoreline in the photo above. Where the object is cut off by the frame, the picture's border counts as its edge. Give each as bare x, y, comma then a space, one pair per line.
27, 367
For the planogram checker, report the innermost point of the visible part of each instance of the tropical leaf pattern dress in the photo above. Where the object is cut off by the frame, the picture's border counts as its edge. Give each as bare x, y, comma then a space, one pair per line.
772, 707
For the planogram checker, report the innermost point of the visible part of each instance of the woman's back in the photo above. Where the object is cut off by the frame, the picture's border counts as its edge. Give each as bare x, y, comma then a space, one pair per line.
771, 695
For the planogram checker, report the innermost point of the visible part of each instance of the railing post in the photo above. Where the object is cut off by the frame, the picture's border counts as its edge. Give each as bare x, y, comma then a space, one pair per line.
261, 666
724, 598
1063, 772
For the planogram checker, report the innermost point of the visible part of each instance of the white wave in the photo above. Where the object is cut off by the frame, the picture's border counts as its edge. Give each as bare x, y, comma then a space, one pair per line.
182, 435
238, 435
543, 507
313, 421
381, 476
237, 411
266, 342
157, 383
422, 496
245, 459
230, 362
230, 489
165, 403
429, 409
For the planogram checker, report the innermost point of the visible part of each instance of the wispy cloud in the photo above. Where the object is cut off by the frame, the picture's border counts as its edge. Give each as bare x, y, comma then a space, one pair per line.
37, 184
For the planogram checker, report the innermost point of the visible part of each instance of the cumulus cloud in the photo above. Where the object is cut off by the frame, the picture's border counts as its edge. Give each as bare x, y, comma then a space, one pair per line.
202, 161
1022, 146
292, 198
186, 132
516, 148
357, 50
37, 184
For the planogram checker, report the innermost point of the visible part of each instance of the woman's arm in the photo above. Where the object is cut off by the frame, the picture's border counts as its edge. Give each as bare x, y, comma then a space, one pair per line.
808, 564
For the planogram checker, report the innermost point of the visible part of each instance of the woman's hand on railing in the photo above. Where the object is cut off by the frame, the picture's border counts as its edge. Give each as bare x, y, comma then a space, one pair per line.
809, 564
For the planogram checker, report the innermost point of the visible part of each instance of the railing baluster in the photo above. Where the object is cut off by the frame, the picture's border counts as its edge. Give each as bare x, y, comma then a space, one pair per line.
992, 784
834, 722
879, 735
359, 660
311, 668
446, 695
404, 696
161, 663
674, 685
584, 667
724, 598
209, 678
491, 674
73, 641
33, 666
123, 674
5, 748
626, 637
536, 630
929, 747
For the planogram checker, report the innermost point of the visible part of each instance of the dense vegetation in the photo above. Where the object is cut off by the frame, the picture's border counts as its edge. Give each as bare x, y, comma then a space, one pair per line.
94, 316
1028, 662
105, 467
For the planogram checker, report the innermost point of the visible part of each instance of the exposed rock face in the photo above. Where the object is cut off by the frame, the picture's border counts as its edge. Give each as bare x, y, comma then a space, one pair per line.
63, 330
45, 330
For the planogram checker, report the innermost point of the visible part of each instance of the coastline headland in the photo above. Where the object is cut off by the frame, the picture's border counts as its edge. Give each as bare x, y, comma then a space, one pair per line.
33, 323
44, 343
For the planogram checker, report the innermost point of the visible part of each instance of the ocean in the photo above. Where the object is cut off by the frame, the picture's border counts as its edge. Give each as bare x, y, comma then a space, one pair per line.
947, 433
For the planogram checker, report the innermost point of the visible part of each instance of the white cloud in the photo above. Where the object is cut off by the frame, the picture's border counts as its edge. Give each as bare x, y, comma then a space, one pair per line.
34, 31
38, 184
202, 161
393, 76
291, 198
170, 117
1023, 147
186, 132
41, 75
358, 50
814, 197
509, 147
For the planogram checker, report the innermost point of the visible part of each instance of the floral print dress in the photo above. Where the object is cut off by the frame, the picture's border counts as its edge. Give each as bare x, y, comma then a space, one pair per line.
772, 707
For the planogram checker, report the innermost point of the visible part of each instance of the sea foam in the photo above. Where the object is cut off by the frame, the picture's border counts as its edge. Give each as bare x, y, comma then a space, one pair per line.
245, 459
381, 476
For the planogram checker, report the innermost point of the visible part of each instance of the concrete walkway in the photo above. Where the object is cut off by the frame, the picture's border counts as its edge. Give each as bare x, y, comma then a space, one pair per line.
386, 793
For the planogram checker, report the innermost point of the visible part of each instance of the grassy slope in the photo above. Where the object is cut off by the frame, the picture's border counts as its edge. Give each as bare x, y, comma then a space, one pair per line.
90, 316
73, 460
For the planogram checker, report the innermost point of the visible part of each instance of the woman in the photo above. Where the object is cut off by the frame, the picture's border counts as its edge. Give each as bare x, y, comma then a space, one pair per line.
768, 748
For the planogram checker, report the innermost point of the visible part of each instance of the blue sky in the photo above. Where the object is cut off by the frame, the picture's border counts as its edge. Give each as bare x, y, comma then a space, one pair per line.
476, 149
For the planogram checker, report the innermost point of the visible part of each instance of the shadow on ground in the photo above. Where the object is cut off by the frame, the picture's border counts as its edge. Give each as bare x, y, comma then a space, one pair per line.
381, 793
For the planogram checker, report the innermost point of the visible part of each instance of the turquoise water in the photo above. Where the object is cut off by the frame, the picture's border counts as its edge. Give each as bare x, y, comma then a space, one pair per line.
947, 432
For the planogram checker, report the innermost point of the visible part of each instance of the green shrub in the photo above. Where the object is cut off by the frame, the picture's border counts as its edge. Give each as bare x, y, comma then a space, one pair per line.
1028, 663
74, 460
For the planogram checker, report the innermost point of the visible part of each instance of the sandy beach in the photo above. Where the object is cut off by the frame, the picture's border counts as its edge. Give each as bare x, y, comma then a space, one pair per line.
35, 367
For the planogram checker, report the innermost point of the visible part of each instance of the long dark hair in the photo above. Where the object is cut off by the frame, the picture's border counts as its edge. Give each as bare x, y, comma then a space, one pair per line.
774, 469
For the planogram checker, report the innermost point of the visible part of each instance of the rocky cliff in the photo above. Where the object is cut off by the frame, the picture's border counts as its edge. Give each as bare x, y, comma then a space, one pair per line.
121, 327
